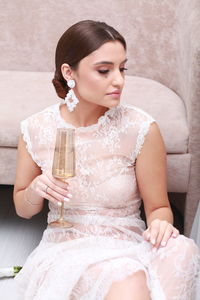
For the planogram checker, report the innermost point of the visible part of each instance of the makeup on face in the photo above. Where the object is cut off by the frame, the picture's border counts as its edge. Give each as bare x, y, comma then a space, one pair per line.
100, 77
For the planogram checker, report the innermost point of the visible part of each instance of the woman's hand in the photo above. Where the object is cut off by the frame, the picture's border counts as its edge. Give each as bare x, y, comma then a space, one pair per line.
51, 188
159, 232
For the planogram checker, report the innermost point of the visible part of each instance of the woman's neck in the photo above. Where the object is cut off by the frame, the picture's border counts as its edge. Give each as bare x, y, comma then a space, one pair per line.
83, 115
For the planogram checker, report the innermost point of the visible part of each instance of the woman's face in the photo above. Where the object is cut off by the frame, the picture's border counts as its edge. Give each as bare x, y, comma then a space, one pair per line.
100, 75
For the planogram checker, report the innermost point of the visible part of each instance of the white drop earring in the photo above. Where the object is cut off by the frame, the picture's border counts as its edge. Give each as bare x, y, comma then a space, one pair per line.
71, 83
71, 100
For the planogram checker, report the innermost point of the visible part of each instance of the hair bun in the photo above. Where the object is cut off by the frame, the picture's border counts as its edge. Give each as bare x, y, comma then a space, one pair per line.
60, 87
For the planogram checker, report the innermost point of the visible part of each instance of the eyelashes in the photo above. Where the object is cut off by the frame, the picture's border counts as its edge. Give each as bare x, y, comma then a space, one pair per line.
123, 69
103, 71
106, 70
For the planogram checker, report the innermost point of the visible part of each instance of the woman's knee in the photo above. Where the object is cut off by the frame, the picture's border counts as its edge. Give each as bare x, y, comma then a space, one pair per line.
183, 245
133, 287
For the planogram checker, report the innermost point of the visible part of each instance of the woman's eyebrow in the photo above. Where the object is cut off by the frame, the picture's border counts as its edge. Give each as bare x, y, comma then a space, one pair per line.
108, 62
104, 63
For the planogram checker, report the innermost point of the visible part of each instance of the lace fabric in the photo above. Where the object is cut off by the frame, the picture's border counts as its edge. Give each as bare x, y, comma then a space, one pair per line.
105, 244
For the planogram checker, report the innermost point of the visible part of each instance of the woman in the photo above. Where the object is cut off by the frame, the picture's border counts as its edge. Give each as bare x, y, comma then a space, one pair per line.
120, 158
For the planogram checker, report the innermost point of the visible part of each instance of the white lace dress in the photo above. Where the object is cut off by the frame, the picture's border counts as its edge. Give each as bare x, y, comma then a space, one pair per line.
105, 244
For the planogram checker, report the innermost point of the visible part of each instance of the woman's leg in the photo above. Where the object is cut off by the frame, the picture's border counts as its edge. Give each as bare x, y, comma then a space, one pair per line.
177, 267
134, 287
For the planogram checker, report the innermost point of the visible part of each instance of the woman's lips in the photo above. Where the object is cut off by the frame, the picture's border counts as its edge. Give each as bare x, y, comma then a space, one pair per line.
114, 94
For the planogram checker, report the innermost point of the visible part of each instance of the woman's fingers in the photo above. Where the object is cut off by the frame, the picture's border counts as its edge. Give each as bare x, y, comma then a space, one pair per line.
159, 232
56, 184
52, 188
165, 229
151, 235
154, 231
146, 234
175, 232
164, 235
58, 194
51, 198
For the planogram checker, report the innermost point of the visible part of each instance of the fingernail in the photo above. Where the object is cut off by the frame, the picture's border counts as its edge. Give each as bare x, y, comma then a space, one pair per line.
69, 195
163, 243
153, 242
59, 203
66, 199
148, 236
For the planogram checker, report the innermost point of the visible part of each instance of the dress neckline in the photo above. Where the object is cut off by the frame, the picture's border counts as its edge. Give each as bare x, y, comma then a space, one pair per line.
100, 120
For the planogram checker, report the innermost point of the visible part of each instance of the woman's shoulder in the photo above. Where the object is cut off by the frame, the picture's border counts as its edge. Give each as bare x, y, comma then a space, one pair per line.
135, 113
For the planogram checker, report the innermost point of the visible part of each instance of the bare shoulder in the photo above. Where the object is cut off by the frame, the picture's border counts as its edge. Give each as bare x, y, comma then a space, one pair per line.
151, 162
153, 143
152, 158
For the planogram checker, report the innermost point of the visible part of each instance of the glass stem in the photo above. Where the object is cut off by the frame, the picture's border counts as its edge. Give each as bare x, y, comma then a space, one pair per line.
62, 206
62, 211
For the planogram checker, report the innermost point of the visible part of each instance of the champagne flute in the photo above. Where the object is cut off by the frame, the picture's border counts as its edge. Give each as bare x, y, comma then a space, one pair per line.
64, 165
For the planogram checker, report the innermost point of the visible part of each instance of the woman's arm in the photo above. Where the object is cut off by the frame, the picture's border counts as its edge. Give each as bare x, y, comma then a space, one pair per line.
26, 171
31, 185
151, 173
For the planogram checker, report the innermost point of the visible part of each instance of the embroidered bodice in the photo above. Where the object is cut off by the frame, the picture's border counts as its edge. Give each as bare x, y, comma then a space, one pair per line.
106, 153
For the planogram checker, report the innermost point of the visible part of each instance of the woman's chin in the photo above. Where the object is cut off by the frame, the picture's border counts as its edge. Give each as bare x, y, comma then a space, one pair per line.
114, 103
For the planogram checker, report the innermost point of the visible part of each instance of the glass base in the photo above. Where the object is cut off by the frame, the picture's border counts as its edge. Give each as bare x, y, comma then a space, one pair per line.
61, 223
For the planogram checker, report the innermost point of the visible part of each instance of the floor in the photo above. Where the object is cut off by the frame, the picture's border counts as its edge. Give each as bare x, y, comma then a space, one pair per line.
18, 237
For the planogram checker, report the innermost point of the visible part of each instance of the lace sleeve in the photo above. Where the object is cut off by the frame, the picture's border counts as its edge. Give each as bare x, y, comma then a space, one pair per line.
144, 122
38, 133
27, 138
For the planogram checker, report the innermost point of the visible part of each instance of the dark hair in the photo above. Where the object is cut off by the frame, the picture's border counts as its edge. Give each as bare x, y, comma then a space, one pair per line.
77, 42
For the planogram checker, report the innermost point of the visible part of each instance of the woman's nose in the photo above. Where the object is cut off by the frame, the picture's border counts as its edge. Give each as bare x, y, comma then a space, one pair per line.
118, 79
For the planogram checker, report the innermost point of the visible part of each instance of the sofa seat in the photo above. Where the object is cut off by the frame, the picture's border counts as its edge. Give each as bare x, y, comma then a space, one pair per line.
24, 93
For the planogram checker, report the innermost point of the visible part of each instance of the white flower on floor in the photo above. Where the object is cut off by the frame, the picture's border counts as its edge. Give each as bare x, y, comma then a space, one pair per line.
10, 271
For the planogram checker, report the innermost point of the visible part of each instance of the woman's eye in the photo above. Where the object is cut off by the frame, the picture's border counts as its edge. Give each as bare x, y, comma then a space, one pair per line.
123, 69
106, 70
103, 71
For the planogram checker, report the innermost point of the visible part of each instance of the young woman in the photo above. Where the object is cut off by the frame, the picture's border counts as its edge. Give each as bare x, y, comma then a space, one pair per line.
120, 159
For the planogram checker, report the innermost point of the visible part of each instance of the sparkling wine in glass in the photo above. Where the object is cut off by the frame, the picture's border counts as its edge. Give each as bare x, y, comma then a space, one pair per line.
64, 164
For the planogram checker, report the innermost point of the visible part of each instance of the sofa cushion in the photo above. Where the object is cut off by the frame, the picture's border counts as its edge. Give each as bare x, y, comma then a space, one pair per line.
23, 93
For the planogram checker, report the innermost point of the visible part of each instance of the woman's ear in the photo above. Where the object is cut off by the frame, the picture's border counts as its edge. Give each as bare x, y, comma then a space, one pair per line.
66, 71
